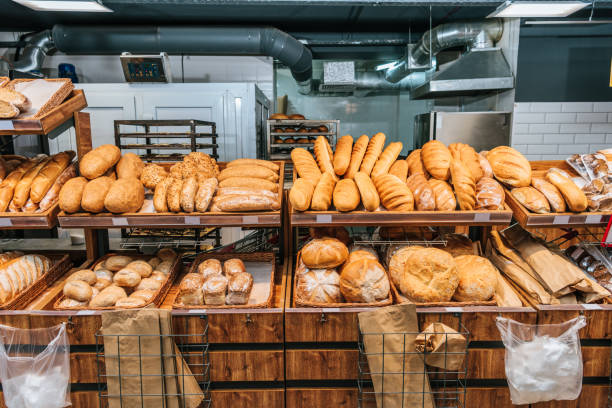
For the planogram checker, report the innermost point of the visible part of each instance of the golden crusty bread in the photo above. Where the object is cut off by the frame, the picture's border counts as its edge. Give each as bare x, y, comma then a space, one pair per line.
322, 196
130, 165
7, 187
124, 195
574, 197
94, 194
367, 191
265, 163
387, 158
305, 164
342, 156
373, 151
477, 279
400, 169
17, 99
359, 150
8, 110
415, 163
346, 195
510, 166
487, 171
301, 193
48, 174
249, 170
251, 182
445, 198
489, 195
552, 194
436, 159
319, 286
322, 253
468, 156
394, 195
323, 154
531, 199
23, 187
364, 281
97, 162
424, 198
464, 185
71, 194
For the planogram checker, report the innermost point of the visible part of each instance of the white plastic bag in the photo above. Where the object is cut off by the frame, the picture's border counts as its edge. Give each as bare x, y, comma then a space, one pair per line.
543, 362
35, 367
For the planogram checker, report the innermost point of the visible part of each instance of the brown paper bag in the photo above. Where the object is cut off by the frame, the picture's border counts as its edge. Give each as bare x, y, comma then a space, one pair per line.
189, 388
505, 296
403, 382
443, 346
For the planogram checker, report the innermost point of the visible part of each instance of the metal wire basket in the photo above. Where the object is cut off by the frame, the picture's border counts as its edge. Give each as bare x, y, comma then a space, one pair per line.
162, 370
400, 370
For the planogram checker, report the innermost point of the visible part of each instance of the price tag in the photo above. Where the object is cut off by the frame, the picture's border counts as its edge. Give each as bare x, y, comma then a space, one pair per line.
324, 218
6, 222
86, 312
561, 219
593, 219
6, 125
454, 309
120, 221
197, 311
192, 220
482, 217
331, 309
588, 306
250, 219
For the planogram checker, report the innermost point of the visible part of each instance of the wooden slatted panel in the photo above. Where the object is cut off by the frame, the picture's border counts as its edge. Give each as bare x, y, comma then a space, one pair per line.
271, 398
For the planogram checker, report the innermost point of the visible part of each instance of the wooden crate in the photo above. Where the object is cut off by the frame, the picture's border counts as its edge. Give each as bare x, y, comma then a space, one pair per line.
22, 220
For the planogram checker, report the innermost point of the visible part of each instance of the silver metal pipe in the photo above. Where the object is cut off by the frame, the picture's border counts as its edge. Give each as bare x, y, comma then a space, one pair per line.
34, 53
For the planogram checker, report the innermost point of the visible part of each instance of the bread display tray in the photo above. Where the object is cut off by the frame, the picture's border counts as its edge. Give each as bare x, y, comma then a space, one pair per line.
159, 295
255, 257
529, 219
178, 220
61, 264
299, 302
64, 89
33, 220
45, 123
386, 218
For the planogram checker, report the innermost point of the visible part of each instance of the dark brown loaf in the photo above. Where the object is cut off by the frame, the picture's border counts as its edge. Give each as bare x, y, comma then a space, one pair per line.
71, 194
125, 195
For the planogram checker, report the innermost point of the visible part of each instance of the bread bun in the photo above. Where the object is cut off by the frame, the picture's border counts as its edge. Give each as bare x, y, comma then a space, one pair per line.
510, 166
127, 278
116, 262
346, 195
477, 279
436, 159
531, 199
78, 290
364, 281
367, 191
153, 174
424, 198
464, 185
552, 193
372, 153
143, 268
324, 253
278, 116
468, 156
108, 297
489, 195
296, 116
445, 198
86, 275
574, 197
342, 156
319, 286
359, 150
358, 253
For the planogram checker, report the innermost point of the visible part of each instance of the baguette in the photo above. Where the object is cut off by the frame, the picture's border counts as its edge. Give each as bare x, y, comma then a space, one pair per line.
253, 171
342, 156
249, 182
374, 149
206, 190
304, 164
53, 193
367, 191
322, 196
23, 187
323, 155
248, 162
245, 191
387, 158
359, 150
49, 173
7, 187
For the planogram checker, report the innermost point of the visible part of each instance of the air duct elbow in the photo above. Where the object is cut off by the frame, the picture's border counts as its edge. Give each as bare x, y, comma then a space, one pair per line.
34, 53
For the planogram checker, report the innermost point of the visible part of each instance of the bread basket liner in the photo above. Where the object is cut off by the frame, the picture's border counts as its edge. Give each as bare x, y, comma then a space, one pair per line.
55, 100
157, 299
249, 257
61, 264
299, 302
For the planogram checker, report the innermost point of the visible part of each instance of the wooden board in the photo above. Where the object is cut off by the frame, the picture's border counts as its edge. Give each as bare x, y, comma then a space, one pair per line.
599, 318
309, 397
257, 219
268, 398
556, 220
22, 220
245, 365
50, 121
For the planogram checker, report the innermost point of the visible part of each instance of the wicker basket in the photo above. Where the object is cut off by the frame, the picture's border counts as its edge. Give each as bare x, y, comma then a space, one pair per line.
399, 299
56, 99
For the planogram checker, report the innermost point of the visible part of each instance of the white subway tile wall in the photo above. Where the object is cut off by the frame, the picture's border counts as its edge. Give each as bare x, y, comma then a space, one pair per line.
553, 131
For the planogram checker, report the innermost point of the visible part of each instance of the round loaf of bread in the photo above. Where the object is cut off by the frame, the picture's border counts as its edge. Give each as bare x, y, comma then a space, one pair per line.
361, 252
436, 159
127, 278
116, 262
142, 267
510, 166
477, 279
108, 297
145, 294
364, 281
324, 253
424, 274
319, 286
86, 275
78, 290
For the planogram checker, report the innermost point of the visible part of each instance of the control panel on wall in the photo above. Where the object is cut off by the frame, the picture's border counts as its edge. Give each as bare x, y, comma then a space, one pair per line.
146, 68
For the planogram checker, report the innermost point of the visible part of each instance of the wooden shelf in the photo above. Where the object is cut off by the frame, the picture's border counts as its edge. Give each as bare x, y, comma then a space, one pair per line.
53, 120
44, 220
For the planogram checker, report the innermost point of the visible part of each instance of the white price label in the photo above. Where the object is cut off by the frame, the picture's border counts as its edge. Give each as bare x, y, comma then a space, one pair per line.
561, 219
197, 311
331, 309
250, 219
6, 125
593, 219
192, 220
85, 312
454, 309
6, 222
324, 218
482, 217
588, 306
120, 221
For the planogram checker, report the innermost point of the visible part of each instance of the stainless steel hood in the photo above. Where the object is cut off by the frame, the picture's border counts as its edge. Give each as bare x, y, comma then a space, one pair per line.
478, 70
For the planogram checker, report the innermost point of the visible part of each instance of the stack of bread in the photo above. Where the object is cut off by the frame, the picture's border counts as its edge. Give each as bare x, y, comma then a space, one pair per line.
365, 172
29, 97
33, 185
215, 285
18, 272
290, 131
118, 281
12, 103
328, 272
595, 179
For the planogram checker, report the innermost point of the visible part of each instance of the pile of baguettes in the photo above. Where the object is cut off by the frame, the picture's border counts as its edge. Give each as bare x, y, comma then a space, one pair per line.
18, 272
33, 185
373, 176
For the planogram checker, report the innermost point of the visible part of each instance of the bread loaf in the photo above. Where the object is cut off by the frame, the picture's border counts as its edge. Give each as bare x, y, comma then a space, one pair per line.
108, 297
301, 193
531, 199
117, 262
127, 278
386, 159
97, 162
319, 286
367, 191
359, 150
509, 166
152, 174
552, 193
394, 195
188, 193
489, 195
249, 182
142, 267
305, 165
210, 267
68, 303
71, 194
250, 162
214, 290
322, 195
324, 253
254, 202
424, 198
245, 191
130, 302
7, 187
86, 275
574, 197
52, 195
372, 153
233, 266
323, 155
436, 159
464, 185
148, 284
477, 279
24, 185
346, 195
364, 281
400, 170
487, 171
3, 169
190, 290
415, 163
48, 174
8, 110
78, 290
124, 196
239, 289
206, 190
160, 196
468, 156
17, 99
253, 171
357, 253
94, 194
445, 198
129, 166
342, 156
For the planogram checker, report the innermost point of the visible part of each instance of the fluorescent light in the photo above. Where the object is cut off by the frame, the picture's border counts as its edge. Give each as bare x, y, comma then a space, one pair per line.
538, 8
87, 6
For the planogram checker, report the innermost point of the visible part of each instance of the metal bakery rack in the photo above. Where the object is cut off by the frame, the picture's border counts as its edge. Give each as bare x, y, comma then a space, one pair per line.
303, 132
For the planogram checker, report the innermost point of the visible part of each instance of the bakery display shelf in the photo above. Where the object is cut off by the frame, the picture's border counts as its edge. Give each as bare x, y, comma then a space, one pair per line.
303, 134
256, 219
22, 220
50, 121
170, 146
527, 218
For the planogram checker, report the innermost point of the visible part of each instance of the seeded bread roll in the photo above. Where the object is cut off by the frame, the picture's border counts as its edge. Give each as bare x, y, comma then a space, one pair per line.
346, 195
359, 150
153, 174
342, 156
463, 184
436, 159
322, 195
367, 191
323, 155
373, 151
445, 198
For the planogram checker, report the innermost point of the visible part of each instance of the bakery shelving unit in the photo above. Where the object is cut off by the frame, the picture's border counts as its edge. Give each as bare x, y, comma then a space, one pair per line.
281, 151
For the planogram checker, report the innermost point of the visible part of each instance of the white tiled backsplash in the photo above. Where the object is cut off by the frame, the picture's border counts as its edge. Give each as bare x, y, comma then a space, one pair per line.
555, 130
